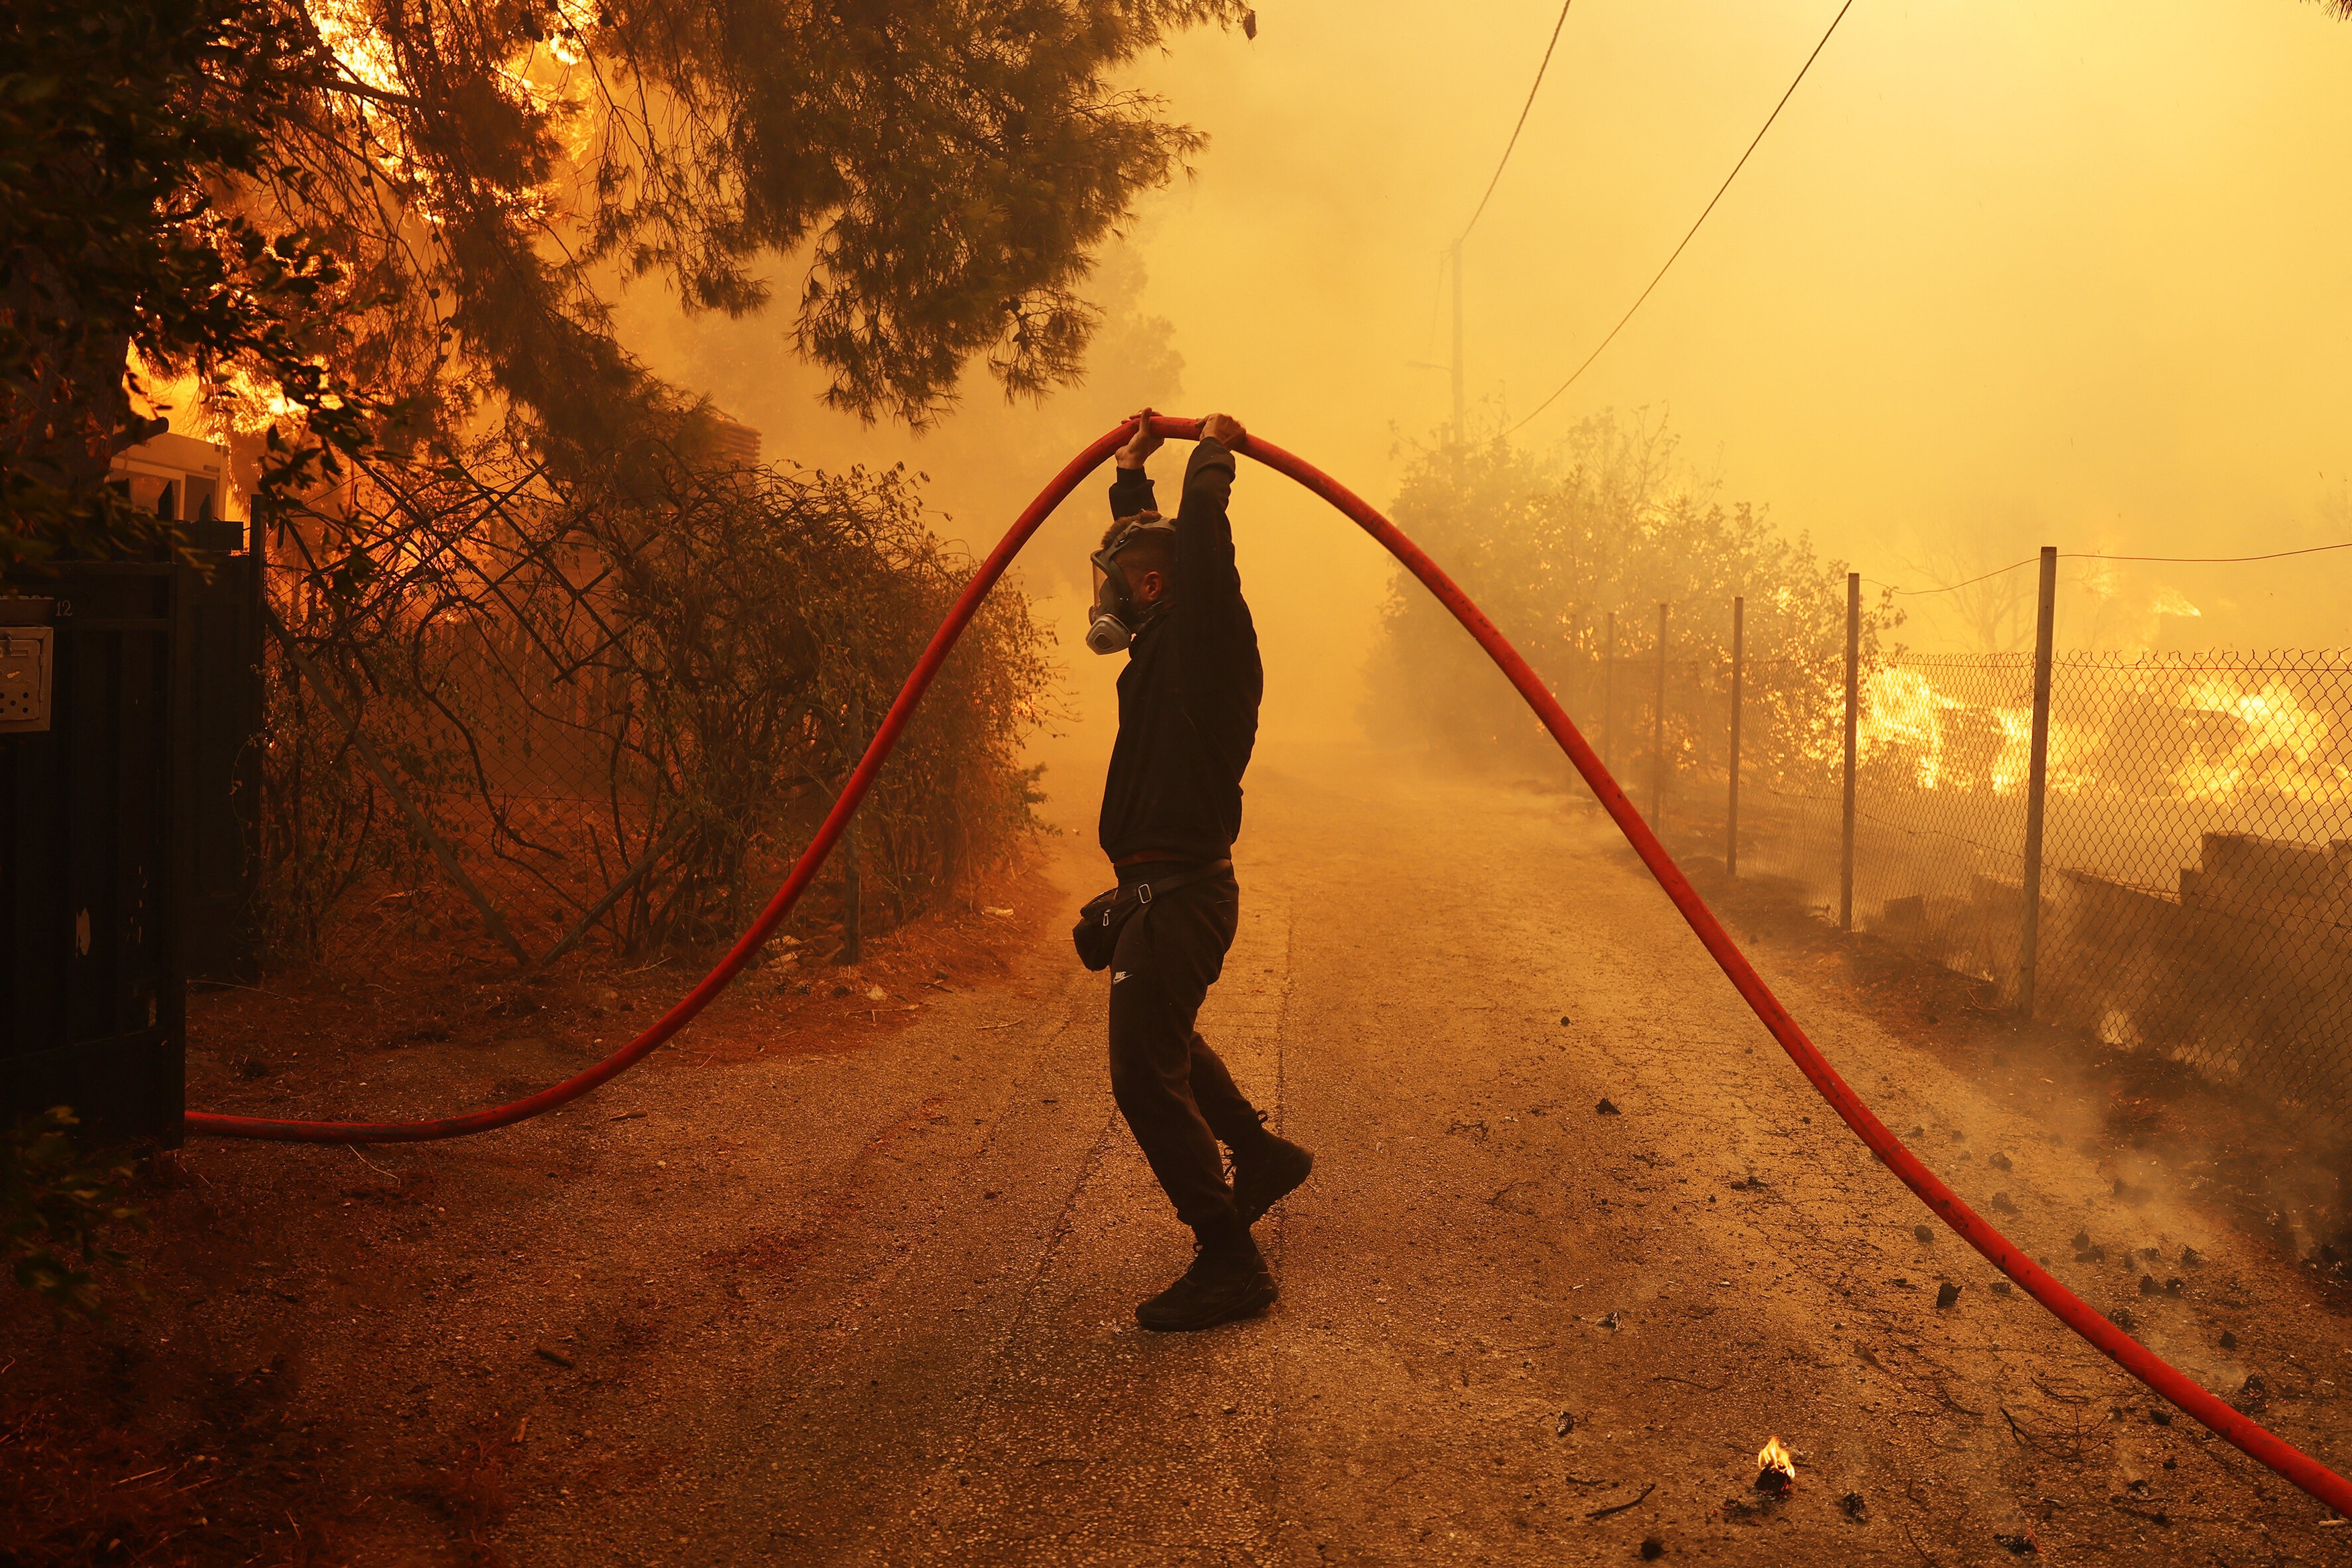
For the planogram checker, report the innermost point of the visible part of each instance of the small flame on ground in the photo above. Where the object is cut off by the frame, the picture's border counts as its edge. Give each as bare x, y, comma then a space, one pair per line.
1774, 1455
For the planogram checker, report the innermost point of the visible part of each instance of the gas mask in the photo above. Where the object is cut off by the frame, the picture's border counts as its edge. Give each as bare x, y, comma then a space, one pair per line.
1116, 617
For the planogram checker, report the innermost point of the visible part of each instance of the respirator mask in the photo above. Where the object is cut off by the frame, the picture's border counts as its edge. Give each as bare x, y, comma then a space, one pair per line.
1115, 617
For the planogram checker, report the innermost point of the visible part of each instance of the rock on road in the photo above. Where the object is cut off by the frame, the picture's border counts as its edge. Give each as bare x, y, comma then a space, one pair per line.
1513, 1328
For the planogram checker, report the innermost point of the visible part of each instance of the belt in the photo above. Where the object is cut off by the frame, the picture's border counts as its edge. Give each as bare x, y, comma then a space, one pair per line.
1179, 874
1155, 858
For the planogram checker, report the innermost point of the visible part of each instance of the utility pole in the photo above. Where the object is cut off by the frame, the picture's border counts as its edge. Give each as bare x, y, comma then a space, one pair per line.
1731, 809
1609, 695
1658, 736
1457, 343
2037, 780
852, 887
1852, 738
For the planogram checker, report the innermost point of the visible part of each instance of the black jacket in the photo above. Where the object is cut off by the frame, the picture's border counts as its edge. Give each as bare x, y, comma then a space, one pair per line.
1187, 698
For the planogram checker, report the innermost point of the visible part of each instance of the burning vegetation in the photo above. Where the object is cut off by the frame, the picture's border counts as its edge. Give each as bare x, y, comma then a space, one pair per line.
338, 227
2194, 870
539, 626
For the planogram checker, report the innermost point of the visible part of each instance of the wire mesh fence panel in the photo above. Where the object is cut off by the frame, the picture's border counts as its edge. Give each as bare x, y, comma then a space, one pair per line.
1940, 804
619, 712
2198, 898
1791, 746
1674, 771
2197, 880
1673, 759
476, 748
1941, 749
1687, 758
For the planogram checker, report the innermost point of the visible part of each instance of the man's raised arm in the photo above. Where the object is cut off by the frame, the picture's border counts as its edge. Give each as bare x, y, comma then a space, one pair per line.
1130, 487
1204, 534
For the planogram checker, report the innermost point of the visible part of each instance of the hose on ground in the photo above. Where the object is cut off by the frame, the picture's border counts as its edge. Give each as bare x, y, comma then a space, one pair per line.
2159, 1376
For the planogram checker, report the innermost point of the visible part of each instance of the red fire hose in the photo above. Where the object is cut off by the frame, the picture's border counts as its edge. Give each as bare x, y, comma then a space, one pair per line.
2135, 1358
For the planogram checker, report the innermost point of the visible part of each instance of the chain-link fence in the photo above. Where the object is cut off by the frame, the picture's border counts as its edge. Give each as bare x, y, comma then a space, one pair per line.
2196, 881
469, 760
2199, 877
1941, 759
548, 714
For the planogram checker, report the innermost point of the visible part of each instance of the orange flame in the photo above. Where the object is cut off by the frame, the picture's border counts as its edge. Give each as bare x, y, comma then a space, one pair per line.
1775, 1456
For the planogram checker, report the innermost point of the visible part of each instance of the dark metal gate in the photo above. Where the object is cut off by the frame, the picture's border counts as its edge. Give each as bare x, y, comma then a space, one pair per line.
125, 837
90, 1007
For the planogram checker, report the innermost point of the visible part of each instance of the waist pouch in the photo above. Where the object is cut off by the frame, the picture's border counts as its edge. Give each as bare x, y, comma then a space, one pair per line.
1099, 922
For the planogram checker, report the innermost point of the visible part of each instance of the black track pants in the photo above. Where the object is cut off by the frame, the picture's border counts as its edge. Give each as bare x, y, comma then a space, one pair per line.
1176, 1096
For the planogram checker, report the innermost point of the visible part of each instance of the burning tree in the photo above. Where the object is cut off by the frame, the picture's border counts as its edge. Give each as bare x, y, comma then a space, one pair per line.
280, 206
378, 240
128, 131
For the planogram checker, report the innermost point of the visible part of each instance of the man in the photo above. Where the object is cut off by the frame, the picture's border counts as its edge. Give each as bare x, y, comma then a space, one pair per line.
1188, 699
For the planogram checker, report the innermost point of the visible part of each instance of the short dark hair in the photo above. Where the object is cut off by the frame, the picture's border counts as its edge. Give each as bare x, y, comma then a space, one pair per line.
1148, 548
1121, 524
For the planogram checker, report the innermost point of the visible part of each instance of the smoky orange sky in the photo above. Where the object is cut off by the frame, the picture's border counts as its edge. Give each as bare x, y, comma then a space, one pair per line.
2002, 274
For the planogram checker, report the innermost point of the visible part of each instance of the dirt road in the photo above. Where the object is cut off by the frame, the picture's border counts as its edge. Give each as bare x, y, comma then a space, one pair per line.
873, 1307
927, 1354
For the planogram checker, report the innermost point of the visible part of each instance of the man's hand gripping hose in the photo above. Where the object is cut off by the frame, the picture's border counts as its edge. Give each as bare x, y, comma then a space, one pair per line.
2135, 1358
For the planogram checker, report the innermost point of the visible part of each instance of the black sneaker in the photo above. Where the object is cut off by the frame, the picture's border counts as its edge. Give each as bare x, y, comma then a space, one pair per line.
1268, 1174
1221, 1286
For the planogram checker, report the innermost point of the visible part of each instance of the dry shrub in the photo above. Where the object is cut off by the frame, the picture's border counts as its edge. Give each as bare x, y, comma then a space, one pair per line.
775, 615
650, 683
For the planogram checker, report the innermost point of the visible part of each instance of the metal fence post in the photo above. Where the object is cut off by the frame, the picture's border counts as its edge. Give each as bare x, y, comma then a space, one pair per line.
1731, 806
1852, 733
2037, 781
1576, 693
1658, 736
1609, 695
852, 886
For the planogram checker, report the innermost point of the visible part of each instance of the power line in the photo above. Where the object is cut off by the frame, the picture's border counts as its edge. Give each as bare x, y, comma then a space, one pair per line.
2208, 560
1636, 305
1513, 142
1965, 583
2099, 555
